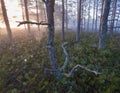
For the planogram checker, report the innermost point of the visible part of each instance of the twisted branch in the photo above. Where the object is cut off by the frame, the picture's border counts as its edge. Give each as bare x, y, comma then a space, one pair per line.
80, 66
30, 22
67, 56
74, 68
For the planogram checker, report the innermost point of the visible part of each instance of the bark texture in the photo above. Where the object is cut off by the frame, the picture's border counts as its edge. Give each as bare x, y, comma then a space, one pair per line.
103, 24
50, 16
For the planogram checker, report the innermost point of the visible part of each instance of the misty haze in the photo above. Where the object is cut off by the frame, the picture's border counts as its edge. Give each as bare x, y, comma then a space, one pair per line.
59, 46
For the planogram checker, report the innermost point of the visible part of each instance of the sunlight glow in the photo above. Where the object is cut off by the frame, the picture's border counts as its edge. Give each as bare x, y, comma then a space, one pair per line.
14, 12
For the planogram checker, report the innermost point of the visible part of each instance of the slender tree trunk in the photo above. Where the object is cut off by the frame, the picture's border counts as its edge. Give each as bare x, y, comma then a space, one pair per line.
102, 4
50, 16
117, 22
23, 15
66, 16
88, 23
44, 13
82, 16
113, 16
63, 21
27, 14
4, 12
103, 24
78, 20
37, 13
93, 16
96, 19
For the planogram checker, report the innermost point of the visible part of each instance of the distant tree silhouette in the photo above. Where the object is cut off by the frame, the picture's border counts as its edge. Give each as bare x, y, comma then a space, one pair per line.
96, 16
113, 16
4, 12
37, 13
27, 13
78, 20
63, 21
66, 15
23, 13
93, 21
88, 21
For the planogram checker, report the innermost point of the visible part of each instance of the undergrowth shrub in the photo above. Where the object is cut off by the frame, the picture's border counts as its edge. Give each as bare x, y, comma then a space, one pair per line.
25, 67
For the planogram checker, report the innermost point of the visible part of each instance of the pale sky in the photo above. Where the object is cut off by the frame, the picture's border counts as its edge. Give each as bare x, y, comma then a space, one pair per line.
14, 12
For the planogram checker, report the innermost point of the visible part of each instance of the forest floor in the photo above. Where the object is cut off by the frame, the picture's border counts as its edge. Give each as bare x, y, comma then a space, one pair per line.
25, 66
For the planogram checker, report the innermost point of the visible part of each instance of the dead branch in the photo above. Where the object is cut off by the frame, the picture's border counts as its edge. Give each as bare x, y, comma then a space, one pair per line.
85, 68
30, 22
67, 56
74, 68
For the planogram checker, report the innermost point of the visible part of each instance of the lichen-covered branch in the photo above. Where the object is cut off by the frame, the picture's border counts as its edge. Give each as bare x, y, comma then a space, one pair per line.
67, 56
84, 68
30, 22
74, 68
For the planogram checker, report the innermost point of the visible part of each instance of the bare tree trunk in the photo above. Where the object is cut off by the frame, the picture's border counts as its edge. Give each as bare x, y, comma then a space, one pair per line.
37, 13
96, 19
88, 23
66, 16
113, 16
78, 20
82, 16
50, 16
117, 22
4, 12
102, 4
63, 19
93, 16
27, 14
23, 15
103, 24
44, 13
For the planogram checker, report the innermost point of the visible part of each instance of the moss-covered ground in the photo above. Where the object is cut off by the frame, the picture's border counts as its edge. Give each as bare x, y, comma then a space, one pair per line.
25, 66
